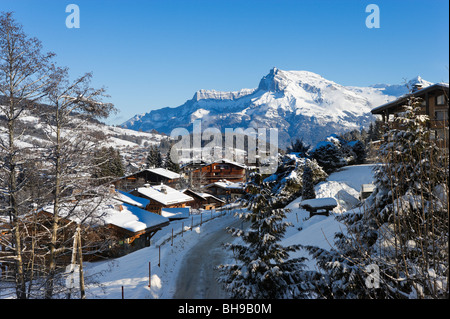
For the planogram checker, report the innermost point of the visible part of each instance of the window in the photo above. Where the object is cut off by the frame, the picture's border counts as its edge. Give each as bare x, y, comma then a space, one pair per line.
440, 115
440, 99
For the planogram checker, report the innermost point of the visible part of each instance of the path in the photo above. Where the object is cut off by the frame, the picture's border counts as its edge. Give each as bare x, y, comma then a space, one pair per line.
197, 276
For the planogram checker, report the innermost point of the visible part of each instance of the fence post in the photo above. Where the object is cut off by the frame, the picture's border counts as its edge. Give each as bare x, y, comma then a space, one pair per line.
149, 274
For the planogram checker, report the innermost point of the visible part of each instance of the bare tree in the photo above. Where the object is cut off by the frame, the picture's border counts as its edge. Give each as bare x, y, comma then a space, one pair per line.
73, 104
24, 72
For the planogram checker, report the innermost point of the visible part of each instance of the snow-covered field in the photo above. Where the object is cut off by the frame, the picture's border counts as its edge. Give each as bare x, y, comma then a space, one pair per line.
132, 271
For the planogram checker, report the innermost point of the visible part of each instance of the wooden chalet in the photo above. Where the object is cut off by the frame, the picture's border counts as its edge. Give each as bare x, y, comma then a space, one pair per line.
219, 170
161, 197
434, 104
226, 190
152, 176
204, 200
114, 228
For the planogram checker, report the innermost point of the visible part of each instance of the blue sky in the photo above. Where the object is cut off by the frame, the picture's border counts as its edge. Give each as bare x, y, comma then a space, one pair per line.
152, 54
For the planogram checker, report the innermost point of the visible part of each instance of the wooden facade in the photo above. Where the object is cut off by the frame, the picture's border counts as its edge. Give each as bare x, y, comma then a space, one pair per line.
226, 190
219, 170
435, 104
204, 200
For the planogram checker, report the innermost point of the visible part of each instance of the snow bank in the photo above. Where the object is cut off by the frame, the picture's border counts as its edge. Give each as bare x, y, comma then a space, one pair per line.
319, 230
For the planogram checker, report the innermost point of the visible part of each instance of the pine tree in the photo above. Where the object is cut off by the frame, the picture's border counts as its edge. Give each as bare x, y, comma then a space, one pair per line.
170, 164
299, 147
403, 227
264, 269
154, 158
328, 156
359, 151
107, 165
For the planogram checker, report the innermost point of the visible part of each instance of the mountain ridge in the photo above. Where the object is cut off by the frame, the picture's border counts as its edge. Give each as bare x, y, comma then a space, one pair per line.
301, 104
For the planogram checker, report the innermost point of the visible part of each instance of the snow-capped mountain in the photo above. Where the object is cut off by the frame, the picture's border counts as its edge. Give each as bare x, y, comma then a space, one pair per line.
300, 104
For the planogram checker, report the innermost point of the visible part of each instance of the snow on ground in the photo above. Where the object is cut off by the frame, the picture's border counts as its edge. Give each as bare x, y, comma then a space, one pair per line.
318, 230
131, 271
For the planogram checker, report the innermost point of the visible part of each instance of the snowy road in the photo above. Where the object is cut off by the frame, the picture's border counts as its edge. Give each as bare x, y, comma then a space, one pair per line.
197, 276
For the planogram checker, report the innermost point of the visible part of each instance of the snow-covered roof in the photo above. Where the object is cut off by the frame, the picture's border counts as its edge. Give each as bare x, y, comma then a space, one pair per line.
204, 196
367, 188
111, 211
158, 171
436, 86
226, 184
175, 213
164, 172
164, 194
130, 199
133, 218
224, 160
319, 202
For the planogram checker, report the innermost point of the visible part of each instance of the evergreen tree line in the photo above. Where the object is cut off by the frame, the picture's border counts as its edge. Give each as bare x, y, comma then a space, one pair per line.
350, 148
155, 159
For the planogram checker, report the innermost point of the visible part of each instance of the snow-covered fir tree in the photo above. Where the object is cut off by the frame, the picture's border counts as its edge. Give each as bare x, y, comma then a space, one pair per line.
402, 230
287, 182
308, 184
170, 164
154, 158
328, 155
263, 269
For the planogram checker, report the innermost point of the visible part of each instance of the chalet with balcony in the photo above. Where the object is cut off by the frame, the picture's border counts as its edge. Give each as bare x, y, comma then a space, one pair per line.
219, 170
434, 104
204, 200
226, 190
